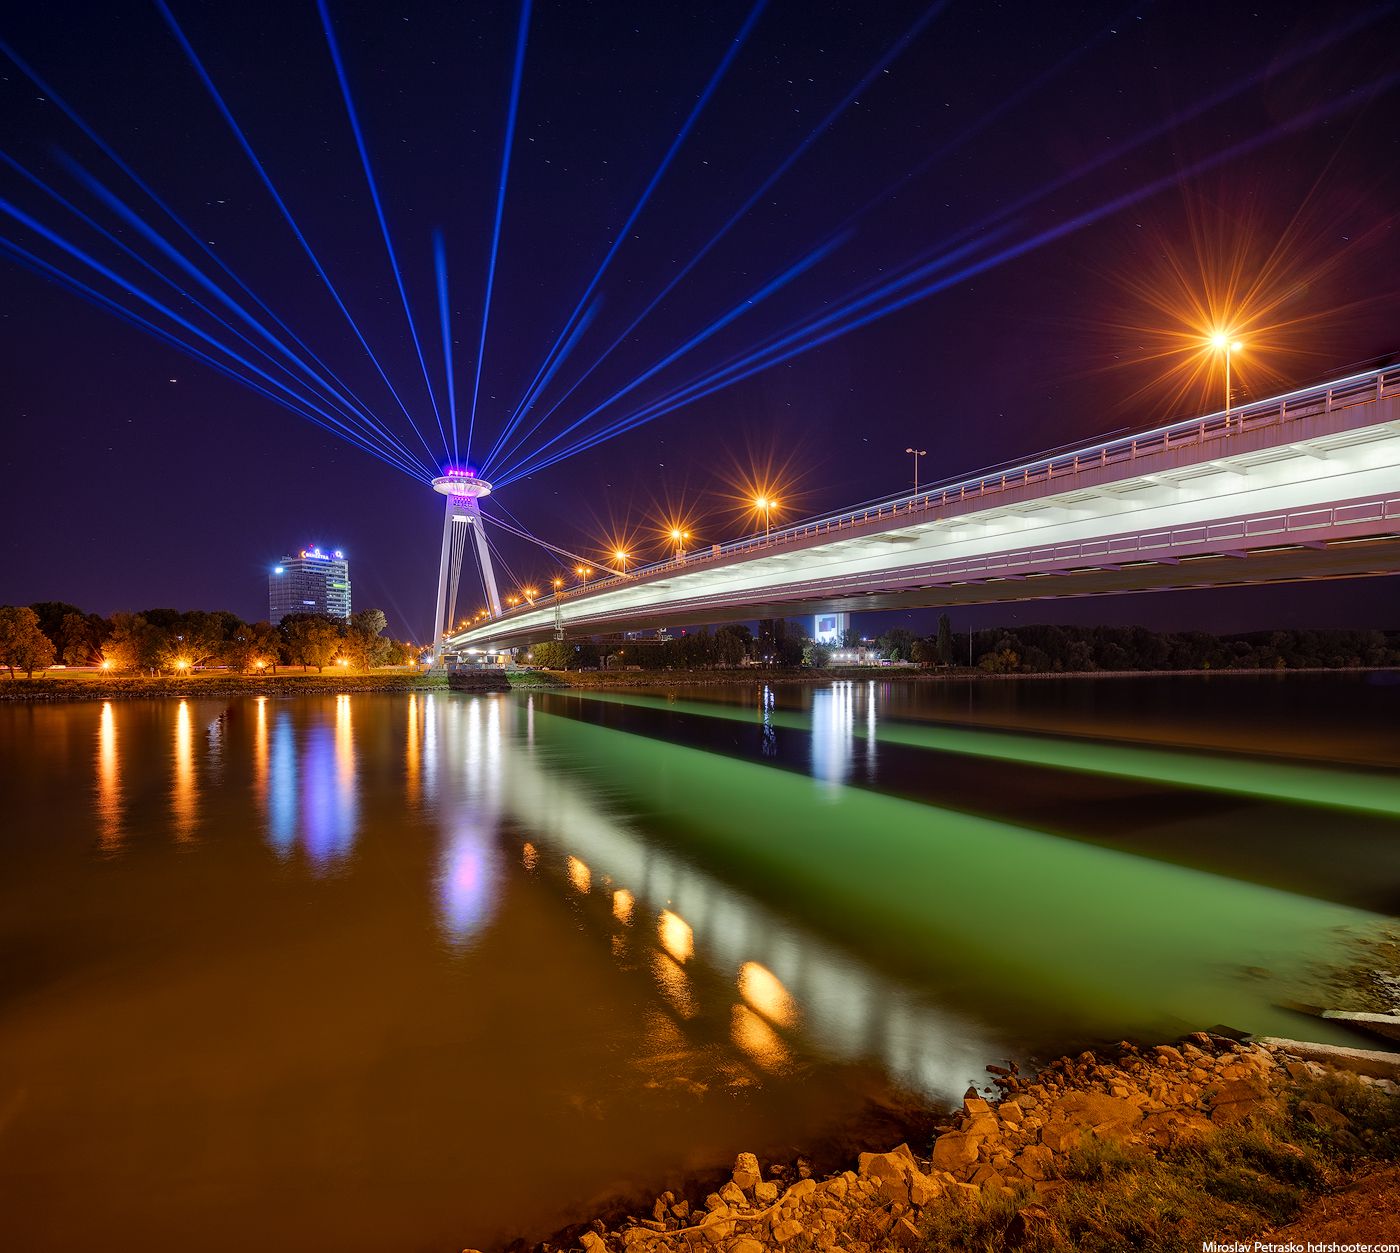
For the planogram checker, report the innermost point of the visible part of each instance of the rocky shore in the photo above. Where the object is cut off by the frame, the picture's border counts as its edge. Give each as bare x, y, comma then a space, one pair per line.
1208, 1138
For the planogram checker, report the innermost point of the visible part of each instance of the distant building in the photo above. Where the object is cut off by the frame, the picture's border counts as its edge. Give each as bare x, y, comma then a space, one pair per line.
830, 628
311, 582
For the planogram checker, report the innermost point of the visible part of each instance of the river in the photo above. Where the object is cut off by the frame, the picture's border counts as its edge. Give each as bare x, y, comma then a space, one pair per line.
423, 971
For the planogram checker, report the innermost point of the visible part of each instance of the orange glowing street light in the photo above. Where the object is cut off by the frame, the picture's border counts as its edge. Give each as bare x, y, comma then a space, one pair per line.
1224, 341
512, 601
765, 505
678, 538
621, 556
531, 593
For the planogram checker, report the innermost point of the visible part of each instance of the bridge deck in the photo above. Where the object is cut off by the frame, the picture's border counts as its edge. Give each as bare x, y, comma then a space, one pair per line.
1305, 485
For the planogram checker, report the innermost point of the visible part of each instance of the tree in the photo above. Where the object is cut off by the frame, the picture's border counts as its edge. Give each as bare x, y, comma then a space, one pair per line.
51, 614
1004, 661
817, 656
134, 643
923, 652
364, 642
77, 640
22, 645
252, 646
554, 655
269, 644
312, 639
399, 653
897, 643
850, 638
732, 644
943, 649
193, 639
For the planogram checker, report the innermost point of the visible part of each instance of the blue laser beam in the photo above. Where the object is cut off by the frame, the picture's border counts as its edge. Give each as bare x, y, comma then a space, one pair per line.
353, 114
1243, 148
681, 136
866, 81
45, 269
679, 396
116, 158
444, 316
511, 111
153, 237
795, 270
914, 273
266, 179
78, 254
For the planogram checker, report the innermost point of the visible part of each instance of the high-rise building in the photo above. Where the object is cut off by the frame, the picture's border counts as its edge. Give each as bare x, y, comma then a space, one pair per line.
311, 582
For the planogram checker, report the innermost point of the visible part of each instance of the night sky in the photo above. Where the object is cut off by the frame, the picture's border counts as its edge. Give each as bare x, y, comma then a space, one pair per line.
1184, 143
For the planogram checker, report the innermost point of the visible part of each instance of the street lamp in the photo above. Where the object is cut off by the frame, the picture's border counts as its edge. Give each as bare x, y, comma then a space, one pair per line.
531, 593
512, 601
765, 505
583, 572
1223, 341
621, 556
678, 538
917, 453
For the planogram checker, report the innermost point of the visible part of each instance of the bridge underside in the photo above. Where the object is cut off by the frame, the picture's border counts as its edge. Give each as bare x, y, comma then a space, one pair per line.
1370, 558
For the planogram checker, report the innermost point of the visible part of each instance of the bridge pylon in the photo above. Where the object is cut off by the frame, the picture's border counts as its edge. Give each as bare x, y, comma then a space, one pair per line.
461, 518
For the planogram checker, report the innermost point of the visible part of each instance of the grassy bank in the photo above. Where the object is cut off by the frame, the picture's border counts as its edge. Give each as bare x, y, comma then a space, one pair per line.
92, 686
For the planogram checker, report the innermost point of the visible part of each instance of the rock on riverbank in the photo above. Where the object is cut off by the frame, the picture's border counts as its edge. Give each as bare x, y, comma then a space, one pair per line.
1013, 1152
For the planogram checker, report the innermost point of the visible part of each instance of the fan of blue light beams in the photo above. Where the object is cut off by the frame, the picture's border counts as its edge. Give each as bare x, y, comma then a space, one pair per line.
92, 222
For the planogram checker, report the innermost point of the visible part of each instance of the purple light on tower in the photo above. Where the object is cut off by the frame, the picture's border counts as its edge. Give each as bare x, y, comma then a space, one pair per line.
464, 492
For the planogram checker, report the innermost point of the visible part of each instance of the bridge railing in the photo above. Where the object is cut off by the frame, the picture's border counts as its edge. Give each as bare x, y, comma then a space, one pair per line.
1221, 427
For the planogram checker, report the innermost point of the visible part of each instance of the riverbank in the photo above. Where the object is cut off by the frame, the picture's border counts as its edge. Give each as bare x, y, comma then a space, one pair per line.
201, 686
1155, 1149
87, 685
751, 675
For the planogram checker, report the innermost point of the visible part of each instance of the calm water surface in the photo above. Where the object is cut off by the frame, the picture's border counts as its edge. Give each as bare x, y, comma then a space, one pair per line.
424, 971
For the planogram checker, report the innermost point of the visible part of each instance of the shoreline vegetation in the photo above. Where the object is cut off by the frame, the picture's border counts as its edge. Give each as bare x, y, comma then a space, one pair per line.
76, 685
1156, 1149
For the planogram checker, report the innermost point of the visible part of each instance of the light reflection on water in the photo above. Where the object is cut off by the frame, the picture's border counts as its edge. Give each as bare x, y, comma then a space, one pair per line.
183, 798
660, 926
109, 790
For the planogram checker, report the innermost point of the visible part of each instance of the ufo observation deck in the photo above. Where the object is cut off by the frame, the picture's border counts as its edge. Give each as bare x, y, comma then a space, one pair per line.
461, 483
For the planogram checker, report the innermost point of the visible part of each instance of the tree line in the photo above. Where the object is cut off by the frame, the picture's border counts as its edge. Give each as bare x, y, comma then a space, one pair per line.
1019, 650
166, 641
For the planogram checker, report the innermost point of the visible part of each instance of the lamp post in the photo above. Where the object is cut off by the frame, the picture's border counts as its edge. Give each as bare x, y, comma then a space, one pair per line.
678, 538
621, 557
583, 572
1223, 341
765, 505
917, 453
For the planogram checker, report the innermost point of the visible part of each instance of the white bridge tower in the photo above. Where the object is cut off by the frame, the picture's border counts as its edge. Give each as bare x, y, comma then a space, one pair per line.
464, 492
